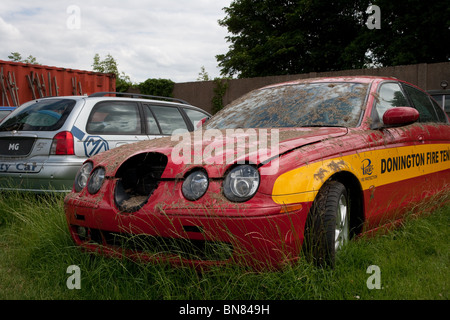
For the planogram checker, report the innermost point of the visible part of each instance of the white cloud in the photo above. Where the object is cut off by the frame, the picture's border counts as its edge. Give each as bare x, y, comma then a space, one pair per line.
169, 39
8, 31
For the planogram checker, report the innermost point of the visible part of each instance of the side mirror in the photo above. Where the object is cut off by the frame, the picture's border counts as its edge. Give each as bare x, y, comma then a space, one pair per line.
400, 116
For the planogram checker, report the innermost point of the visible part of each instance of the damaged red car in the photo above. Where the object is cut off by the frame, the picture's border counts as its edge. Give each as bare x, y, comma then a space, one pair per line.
288, 170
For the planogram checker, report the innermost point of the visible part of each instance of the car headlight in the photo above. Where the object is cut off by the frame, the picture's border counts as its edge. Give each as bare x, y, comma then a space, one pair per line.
241, 183
96, 180
195, 185
82, 176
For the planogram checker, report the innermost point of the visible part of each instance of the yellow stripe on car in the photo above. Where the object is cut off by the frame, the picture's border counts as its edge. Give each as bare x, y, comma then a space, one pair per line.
373, 168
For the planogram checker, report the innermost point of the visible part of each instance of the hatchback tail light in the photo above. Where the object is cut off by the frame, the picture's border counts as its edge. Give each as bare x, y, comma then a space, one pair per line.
62, 144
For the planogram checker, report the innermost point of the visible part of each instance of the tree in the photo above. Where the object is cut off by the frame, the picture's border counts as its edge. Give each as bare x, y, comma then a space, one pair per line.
109, 65
412, 32
203, 75
275, 37
17, 57
157, 87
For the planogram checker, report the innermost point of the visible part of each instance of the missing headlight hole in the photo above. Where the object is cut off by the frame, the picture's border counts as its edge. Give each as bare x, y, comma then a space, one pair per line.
137, 179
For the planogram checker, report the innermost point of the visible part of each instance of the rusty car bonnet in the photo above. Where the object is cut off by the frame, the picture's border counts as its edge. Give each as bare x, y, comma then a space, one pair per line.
218, 148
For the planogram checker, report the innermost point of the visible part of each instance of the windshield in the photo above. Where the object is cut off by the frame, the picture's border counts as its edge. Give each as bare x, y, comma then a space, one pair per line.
44, 115
299, 105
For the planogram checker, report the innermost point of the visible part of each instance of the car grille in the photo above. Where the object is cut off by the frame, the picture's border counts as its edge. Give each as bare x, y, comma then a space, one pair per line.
155, 245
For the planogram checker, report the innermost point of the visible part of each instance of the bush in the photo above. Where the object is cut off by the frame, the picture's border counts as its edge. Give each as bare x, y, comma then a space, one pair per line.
157, 87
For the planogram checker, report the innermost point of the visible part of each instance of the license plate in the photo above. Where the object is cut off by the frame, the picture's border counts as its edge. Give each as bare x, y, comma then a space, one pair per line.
20, 146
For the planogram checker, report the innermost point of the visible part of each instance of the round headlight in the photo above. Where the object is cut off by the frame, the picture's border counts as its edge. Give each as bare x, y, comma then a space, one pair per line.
82, 176
96, 180
195, 185
241, 183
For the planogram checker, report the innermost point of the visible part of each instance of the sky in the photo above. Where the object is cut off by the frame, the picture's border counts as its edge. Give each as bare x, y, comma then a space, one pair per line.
168, 39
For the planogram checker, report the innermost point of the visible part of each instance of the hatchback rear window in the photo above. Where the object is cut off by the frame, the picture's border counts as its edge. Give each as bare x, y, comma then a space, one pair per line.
44, 115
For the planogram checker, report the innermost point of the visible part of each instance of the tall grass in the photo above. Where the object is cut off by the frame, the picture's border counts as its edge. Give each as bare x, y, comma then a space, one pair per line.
36, 250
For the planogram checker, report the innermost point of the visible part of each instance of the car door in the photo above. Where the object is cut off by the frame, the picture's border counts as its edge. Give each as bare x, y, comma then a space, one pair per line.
112, 124
406, 155
434, 140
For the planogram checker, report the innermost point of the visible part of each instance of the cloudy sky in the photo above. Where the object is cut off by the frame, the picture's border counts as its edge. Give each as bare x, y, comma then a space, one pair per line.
170, 39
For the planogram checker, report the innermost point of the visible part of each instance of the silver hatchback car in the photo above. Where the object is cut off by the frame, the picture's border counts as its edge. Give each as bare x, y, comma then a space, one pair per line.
44, 142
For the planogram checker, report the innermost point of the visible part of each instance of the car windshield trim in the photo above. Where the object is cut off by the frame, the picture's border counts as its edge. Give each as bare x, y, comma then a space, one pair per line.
321, 104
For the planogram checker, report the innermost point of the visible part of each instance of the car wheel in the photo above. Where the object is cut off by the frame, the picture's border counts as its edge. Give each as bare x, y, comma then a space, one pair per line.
327, 228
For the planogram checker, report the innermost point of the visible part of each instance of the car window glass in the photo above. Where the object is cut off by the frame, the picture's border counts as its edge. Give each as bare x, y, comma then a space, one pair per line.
443, 100
152, 126
4, 113
439, 98
114, 117
423, 104
170, 119
44, 115
447, 103
439, 111
389, 96
195, 116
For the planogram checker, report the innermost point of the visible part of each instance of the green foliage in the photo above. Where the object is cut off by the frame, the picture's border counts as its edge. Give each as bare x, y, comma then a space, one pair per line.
17, 57
203, 75
36, 249
414, 33
271, 37
221, 86
109, 65
286, 37
157, 87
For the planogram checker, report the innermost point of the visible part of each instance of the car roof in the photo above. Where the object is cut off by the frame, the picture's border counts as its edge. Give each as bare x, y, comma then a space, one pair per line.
360, 79
103, 96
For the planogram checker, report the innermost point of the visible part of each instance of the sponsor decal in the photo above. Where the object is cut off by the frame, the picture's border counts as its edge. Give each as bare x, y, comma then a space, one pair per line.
414, 160
94, 145
373, 168
18, 167
367, 170
367, 167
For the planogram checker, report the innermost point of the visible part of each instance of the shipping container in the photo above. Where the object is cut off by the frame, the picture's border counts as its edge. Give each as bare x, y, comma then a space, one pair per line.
22, 82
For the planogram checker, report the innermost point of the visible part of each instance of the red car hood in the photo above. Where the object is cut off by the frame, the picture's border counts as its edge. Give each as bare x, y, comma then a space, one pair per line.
218, 148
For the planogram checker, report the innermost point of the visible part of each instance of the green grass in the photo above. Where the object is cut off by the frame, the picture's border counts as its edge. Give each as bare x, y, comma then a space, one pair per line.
36, 249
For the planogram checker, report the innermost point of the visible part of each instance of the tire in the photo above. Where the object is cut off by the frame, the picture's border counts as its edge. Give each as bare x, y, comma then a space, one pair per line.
327, 227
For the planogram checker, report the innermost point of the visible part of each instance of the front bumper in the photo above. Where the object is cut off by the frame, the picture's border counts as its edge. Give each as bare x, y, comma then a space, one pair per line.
268, 239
